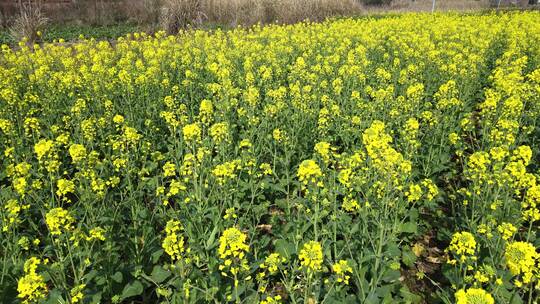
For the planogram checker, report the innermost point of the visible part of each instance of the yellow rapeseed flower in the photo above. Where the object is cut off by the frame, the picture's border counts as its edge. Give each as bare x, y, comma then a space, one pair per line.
31, 287
521, 259
473, 296
343, 270
309, 171
59, 220
311, 256
174, 243
191, 132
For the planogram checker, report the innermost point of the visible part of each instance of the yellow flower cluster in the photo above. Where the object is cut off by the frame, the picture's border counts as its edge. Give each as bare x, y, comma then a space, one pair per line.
270, 267
43, 148
474, 296
410, 132
272, 300
343, 271
462, 246
31, 286
77, 294
77, 152
350, 204
192, 132
173, 243
309, 172
232, 250
272, 263
507, 230
169, 169
324, 149
13, 210
46, 153
59, 221
484, 274
426, 189
96, 233
65, 187
385, 159
219, 132
226, 171
311, 256
206, 110
521, 259
531, 204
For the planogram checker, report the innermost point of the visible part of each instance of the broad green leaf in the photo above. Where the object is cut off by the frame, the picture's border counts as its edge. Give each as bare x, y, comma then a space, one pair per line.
132, 289
159, 274
409, 227
117, 277
284, 248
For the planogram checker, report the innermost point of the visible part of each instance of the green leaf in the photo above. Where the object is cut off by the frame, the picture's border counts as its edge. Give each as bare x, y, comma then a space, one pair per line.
90, 275
408, 257
156, 255
391, 275
413, 214
409, 227
95, 298
354, 228
211, 240
284, 248
372, 299
393, 250
159, 274
132, 289
101, 280
383, 291
117, 277
55, 297
408, 296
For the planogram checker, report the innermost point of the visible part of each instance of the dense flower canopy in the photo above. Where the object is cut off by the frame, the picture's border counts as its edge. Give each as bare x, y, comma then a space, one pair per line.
357, 160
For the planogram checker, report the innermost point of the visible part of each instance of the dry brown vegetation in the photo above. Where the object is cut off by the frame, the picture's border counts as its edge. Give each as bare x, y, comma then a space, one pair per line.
176, 14
172, 15
426, 5
29, 21
180, 13
286, 11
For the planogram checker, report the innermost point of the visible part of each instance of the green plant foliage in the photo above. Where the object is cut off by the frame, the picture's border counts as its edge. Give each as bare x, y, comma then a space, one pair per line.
371, 160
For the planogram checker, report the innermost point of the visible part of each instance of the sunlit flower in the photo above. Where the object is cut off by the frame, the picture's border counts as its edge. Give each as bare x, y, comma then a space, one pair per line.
343, 270
309, 171
311, 256
521, 259
473, 296
77, 152
31, 286
59, 221
232, 251
174, 243
462, 245
192, 132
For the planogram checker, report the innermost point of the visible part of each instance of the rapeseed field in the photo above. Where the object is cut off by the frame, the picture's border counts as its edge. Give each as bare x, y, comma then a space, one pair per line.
372, 160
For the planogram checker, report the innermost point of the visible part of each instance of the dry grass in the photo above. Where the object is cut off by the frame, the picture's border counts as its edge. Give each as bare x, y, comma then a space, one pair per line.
3, 20
173, 15
248, 12
426, 5
290, 11
142, 12
181, 13
29, 22
177, 14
